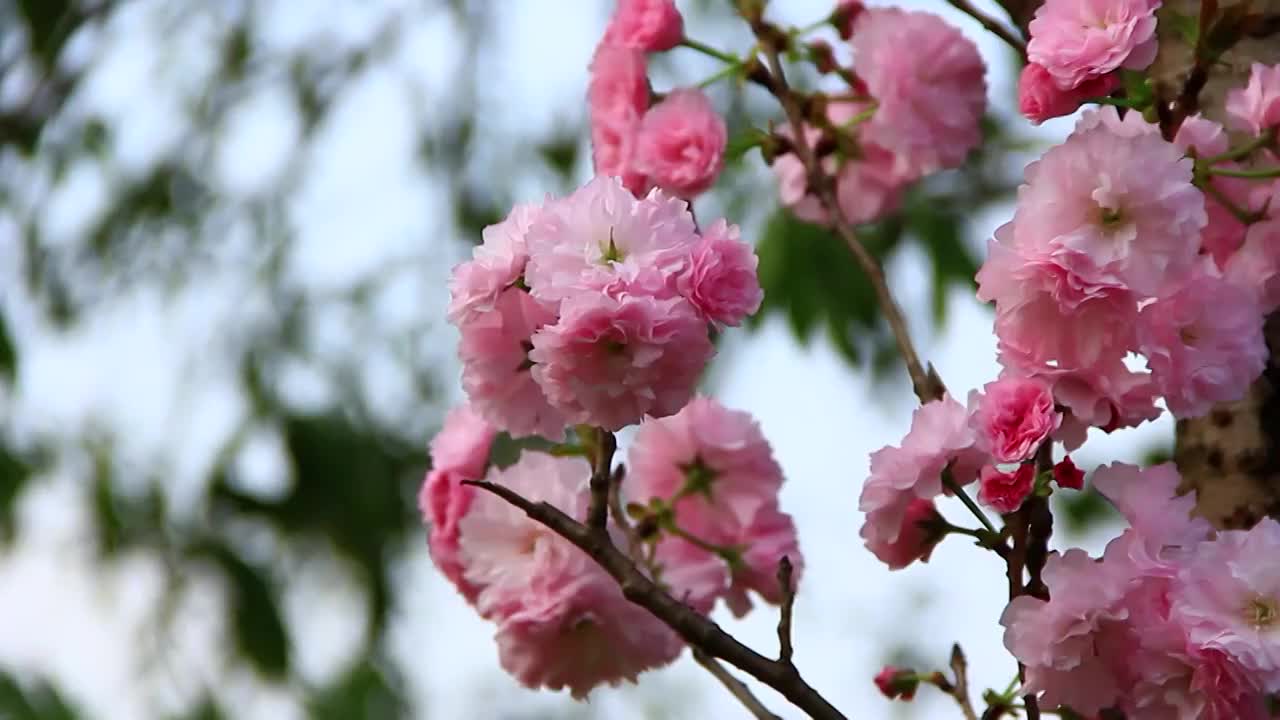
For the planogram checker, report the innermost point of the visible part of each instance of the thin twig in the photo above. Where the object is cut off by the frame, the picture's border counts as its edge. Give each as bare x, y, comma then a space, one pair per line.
922, 382
950, 483
735, 686
992, 25
960, 692
785, 650
696, 629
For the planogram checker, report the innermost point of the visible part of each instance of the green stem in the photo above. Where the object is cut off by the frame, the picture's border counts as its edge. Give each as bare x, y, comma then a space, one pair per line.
816, 24
708, 50
728, 71
951, 485
1260, 174
1266, 139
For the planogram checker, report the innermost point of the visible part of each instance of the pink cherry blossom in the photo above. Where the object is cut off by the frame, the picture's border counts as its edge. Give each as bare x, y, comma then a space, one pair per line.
648, 25
459, 452
1058, 640
1112, 207
1205, 136
617, 97
1078, 40
720, 277
496, 367
1256, 106
867, 187
1256, 265
715, 459
1229, 598
1040, 98
602, 237
717, 472
1203, 343
931, 99
681, 143
496, 265
563, 621
940, 438
610, 361
916, 537
1012, 417
1005, 491
1067, 475
1159, 519
1108, 395
1047, 314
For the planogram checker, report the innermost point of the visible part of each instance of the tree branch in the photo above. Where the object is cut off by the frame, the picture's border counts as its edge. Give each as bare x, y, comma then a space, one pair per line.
992, 25
696, 629
960, 692
926, 385
735, 686
785, 649
603, 445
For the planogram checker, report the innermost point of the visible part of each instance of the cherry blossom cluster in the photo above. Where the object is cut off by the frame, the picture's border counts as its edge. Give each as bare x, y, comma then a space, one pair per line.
703, 487
898, 117
1077, 50
994, 440
595, 309
1174, 622
676, 143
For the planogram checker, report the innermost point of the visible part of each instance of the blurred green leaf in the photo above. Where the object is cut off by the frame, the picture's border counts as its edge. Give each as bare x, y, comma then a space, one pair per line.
8, 353
257, 625
206, 709
1079, 512
366, 692
561, 154
45, 21
940, 229
14, 473
744, 142
33, 700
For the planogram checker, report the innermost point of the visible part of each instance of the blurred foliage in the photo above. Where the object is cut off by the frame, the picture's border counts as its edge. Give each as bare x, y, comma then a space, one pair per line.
352, 470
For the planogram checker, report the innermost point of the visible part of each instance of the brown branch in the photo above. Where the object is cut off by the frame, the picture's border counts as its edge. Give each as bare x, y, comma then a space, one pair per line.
785, 649
925, 384
960, 691
696, 629
735, 686
992, 25
602, 446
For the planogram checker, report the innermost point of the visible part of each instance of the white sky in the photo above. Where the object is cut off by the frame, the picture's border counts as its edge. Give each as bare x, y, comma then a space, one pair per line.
363, 202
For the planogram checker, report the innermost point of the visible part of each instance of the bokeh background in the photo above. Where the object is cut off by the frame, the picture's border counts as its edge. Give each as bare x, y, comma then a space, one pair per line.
225, 232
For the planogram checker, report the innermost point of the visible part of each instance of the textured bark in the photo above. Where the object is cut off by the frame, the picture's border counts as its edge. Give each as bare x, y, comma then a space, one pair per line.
1231, 457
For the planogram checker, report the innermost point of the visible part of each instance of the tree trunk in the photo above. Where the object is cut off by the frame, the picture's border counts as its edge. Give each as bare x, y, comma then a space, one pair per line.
1230, 457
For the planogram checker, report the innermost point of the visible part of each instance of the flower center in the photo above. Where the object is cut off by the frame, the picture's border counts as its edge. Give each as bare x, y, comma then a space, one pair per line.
697, 478
1190, 335
1262, 612
610, 253
1111, 217
527, 363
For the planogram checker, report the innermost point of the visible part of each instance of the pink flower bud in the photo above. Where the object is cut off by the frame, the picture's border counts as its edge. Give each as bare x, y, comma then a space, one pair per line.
648, 25
843, 16
896, 683
1004, 491
1039, 98
1067, 475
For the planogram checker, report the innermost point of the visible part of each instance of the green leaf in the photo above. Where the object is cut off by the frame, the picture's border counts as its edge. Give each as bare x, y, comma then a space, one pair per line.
207, 709
1081, 511
8, 353
1186, 26
561, 154
33, 700
47, 21
257, 625
366, 691
14, 473
744, 142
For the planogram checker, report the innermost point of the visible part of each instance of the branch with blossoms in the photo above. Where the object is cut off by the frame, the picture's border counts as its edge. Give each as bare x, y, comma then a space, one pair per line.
1149, 232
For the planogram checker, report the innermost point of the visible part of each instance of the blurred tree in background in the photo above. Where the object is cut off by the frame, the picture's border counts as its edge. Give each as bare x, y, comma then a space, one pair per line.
163, 158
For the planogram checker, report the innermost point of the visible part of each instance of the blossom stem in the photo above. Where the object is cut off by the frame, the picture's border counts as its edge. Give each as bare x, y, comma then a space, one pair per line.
1259, 174
992, 25
926, 384
949, 483
1266, 139
726, 71
710, 51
